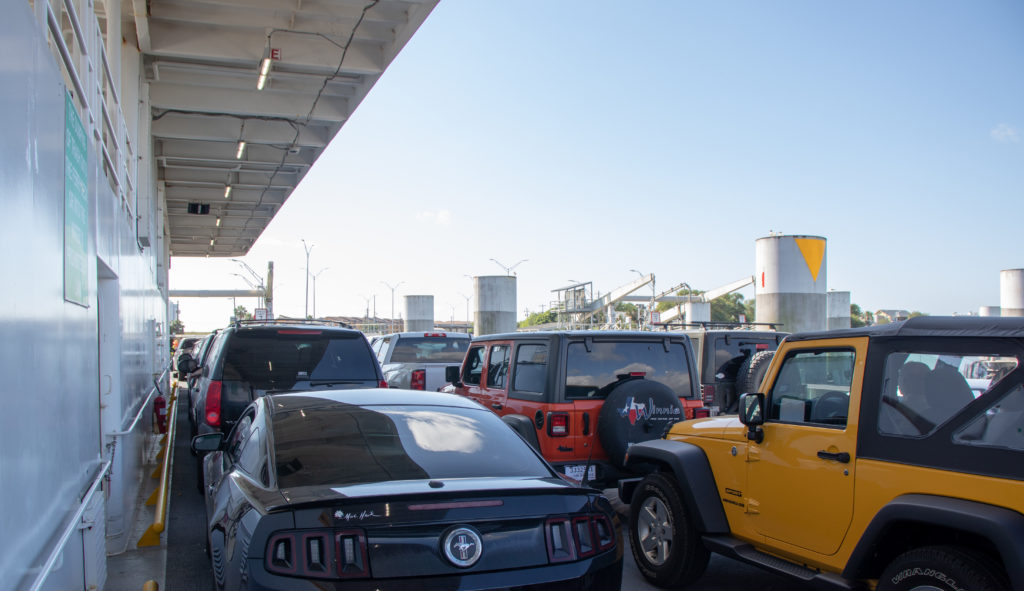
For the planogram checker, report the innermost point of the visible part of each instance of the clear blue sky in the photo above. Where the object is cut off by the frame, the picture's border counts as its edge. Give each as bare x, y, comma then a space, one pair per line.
597, 137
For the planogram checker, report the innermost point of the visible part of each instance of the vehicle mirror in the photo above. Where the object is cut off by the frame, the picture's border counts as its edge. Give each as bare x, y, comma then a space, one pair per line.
183, 363
451, 374
208, 442
752, 415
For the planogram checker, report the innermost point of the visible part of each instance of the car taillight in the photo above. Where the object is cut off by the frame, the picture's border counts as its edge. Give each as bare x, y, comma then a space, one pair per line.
637, 374
558, 424
578, 537
212, 408
707, 391
383, 384
320, 554
418, 380
701, 413
434, 334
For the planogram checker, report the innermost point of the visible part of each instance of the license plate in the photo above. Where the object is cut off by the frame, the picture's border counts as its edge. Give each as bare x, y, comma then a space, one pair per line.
575, 471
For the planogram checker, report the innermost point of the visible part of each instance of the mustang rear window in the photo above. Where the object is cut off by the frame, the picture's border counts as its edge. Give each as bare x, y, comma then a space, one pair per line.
348, 445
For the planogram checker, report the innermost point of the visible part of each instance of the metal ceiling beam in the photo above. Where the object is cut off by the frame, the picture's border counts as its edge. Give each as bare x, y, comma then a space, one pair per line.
213, 127
247, 102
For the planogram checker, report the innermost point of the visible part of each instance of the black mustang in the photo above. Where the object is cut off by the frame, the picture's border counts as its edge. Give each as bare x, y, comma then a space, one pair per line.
395, 489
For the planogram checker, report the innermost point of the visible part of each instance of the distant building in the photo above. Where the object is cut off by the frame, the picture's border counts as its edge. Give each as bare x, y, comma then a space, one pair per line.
891, 315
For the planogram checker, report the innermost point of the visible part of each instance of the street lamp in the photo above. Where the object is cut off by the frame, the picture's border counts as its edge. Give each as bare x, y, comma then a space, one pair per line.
508, 270
467, 305
392, 288
308, 248
259, 281
315, 275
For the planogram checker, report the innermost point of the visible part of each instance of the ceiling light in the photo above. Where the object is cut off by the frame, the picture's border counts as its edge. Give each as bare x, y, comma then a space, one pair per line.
218, 222
241, 148
227, 191
264, 70
211, 241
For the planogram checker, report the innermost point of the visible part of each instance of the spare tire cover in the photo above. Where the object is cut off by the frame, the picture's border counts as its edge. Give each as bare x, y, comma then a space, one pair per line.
636, 410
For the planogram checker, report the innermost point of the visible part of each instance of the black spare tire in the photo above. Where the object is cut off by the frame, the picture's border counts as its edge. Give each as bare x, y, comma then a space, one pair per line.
751, 373
635, 410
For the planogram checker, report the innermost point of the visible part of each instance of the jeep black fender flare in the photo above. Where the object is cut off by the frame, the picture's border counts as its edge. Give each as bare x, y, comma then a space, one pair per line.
524, 426
691, 471
1003, 527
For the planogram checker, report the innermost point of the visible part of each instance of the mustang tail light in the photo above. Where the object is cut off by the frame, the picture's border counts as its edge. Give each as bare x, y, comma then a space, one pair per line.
578, 537
318, 554
418, 381
558, 424
211, 409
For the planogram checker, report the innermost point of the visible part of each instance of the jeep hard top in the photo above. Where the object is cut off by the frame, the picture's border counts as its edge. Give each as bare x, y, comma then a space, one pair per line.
866, 460
583, 397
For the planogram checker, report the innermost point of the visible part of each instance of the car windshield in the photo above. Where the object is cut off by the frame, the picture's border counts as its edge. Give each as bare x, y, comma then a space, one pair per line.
346, 445
277, 359
440, 349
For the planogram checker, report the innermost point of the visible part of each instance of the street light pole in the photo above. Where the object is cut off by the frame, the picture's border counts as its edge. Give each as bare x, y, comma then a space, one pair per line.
309, 249
392, 288
508, 270
315, 275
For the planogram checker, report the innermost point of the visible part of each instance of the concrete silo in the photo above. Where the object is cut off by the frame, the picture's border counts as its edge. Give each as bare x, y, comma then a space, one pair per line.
790, 282
1011, 292
495, 297
989, 311
697, 311
419, 312
838, 303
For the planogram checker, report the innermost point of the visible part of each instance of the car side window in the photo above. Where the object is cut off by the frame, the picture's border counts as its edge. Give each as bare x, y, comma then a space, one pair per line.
813, 387
497, 366
473, 370
239, 434
381, 349
531, 368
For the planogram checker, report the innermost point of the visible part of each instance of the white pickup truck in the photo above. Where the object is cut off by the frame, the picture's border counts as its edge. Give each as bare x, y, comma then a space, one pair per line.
417, 360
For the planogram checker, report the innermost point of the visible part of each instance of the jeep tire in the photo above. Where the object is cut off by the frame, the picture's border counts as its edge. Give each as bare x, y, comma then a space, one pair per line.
635, 410
947, 568
750, 375
666, 547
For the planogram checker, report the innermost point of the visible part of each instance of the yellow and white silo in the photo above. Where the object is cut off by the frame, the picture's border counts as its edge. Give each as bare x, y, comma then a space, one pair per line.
791, 280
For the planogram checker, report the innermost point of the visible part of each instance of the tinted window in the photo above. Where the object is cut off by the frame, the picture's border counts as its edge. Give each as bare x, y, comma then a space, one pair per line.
347, 445
278, 359
474, 368
724, 354
924, 390
813, 387
429, 350
531, 369
588, 373
1000, 425
497, 366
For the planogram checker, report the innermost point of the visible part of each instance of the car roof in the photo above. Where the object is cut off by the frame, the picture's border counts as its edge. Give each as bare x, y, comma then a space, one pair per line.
294, 401
579, 333
420, 333
303, 326
935, 326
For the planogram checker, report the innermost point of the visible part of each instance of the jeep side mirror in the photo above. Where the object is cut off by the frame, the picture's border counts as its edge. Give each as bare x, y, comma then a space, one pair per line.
752, 415
451, 375
208, 442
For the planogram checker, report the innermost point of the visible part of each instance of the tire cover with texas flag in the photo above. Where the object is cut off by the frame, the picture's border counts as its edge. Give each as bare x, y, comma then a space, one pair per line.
636, 410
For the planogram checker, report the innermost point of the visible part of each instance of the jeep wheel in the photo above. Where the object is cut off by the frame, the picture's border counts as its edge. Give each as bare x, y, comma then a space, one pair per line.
941, 568
751, 374
666, 547
635, 410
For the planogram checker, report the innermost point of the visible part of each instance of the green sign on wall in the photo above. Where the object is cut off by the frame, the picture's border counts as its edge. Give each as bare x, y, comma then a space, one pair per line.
76, 206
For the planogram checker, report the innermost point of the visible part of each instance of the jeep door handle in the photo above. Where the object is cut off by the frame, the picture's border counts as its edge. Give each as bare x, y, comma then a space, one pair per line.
841, 457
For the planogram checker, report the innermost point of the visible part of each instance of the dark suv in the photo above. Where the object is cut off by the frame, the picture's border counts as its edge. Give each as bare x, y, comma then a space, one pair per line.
730, 360
250, 359
582, 397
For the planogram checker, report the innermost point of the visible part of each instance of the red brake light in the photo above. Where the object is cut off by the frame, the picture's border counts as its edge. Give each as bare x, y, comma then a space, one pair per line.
578, 537
418, 381
707, 391
383, 384
558, 424
434, 334
212, 407
637, 374
762, 346
701, 413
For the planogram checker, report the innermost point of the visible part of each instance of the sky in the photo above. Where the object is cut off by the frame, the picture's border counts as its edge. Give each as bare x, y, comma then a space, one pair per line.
590, 138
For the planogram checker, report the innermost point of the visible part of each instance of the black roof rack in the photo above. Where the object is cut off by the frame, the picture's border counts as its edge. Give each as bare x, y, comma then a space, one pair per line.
711, 325
309, 321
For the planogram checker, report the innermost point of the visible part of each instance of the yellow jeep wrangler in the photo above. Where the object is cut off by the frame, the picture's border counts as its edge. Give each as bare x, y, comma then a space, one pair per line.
875, 458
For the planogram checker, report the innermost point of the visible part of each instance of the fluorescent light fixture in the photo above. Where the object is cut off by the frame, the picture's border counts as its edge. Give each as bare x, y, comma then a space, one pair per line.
227, 191
218, 222
264, 70
211, 241
241, 149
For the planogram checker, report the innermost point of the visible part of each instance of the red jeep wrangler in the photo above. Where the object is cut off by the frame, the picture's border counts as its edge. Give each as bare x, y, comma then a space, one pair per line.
583, 397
